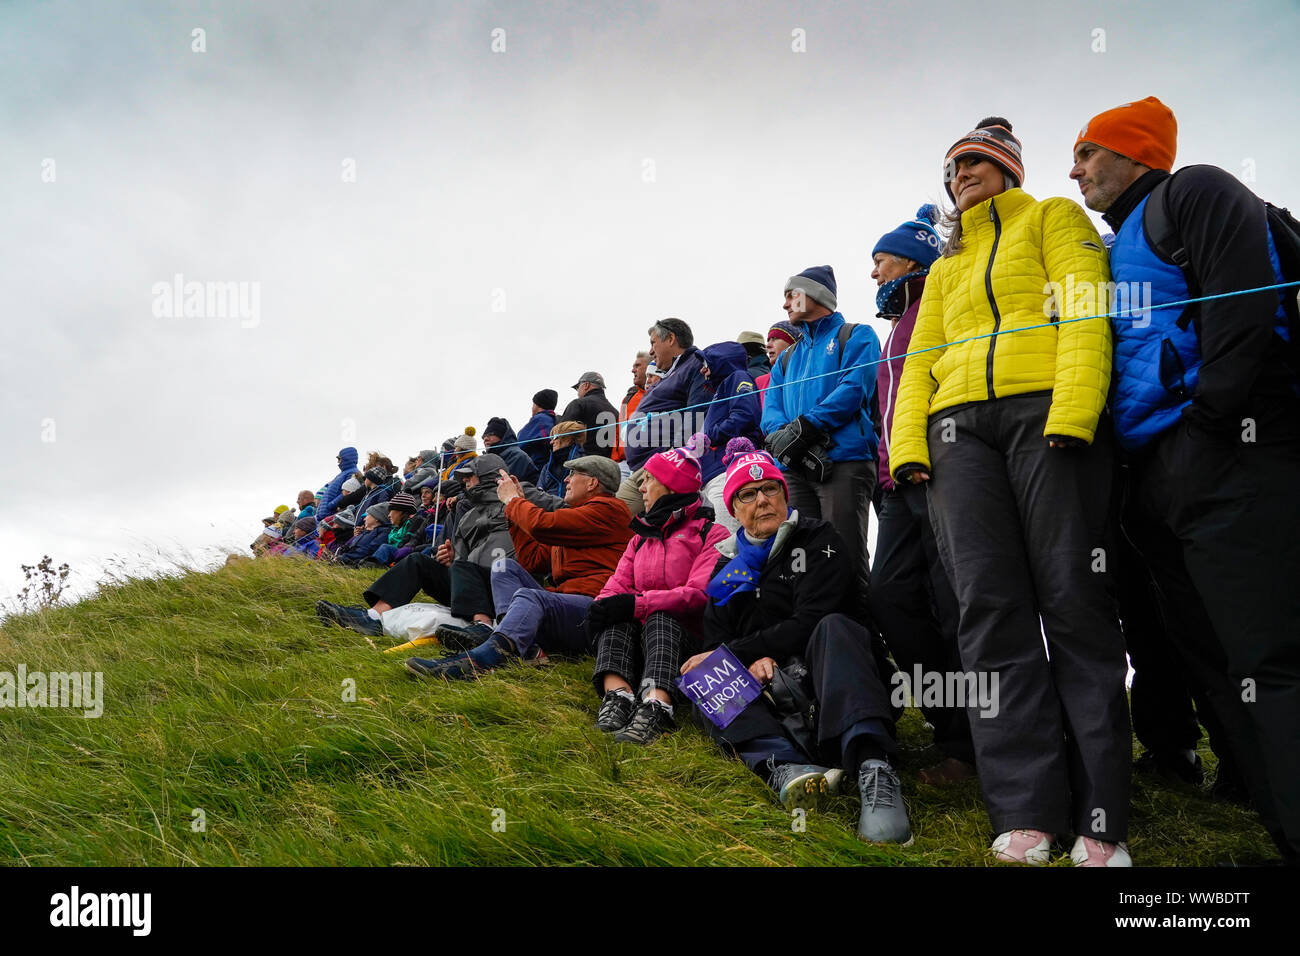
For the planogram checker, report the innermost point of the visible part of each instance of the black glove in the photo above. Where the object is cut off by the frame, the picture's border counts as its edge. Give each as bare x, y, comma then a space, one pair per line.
609, 611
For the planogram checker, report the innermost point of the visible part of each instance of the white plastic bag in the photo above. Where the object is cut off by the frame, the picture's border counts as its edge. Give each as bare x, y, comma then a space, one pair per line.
411, 621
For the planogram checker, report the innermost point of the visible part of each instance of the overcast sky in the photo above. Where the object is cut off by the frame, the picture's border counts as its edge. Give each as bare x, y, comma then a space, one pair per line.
434, 231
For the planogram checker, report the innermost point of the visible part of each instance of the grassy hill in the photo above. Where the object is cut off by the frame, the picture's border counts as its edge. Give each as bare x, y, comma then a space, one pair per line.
223, 694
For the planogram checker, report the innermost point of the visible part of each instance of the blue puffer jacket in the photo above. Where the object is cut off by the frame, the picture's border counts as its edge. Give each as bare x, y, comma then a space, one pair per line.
838, 404
532, 437
334, 490
683, 387
729, 376
1157, 365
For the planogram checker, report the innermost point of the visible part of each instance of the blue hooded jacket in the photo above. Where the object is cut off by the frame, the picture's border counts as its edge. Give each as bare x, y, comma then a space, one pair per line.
838, 404
739, 416
533, 437
334, 490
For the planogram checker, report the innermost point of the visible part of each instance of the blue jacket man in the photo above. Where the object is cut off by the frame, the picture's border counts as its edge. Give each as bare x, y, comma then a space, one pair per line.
735, 410
830, 390
533, 436
347, 459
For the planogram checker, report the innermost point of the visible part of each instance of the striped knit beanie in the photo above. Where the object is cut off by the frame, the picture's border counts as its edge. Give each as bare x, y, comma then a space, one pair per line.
991, 139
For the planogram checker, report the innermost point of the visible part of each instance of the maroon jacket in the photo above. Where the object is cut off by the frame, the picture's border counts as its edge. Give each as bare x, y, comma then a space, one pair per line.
888, 373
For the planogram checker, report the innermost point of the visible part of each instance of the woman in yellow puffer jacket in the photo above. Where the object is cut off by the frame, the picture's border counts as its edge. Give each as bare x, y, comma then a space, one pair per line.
997, 411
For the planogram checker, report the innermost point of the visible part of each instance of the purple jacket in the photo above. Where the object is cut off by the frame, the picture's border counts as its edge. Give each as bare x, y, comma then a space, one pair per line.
888, 373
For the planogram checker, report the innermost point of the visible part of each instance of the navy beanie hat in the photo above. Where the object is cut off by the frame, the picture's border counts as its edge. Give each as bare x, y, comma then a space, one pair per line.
915, 239
817, 283
546, 399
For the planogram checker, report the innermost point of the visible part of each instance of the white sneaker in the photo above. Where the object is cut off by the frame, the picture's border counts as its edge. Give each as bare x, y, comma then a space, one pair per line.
1033, 847
1090, 852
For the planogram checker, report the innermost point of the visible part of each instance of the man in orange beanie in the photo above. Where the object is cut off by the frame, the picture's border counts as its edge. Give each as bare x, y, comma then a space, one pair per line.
1205, 400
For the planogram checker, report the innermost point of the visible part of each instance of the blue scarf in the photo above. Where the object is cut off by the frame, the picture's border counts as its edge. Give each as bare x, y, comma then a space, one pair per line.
885, 295
742, 571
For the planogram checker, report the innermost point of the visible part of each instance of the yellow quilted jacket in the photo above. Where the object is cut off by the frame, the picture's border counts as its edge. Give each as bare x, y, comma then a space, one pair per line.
1013, 248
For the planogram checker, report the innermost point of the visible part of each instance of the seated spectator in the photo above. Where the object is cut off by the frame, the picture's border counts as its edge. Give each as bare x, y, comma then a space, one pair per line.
401, 516
577, 547
646, 616
334, 532
305, 544
777, 600
734, 413
458, 574
425, 465
366, 542
306, 504
264, 540
566, 444
500, 439
353, 491
779, 338
595, 412
660, 421
533, 436
347, 462
380, 485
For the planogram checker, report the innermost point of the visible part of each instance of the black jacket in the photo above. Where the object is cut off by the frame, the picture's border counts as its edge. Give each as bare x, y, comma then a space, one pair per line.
598, 415
1223, 227
800, 584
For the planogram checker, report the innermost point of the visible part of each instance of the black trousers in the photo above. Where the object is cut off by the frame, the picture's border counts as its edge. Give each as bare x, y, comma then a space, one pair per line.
1019, 526
1234, 507
849, 695
914, 608
465, 587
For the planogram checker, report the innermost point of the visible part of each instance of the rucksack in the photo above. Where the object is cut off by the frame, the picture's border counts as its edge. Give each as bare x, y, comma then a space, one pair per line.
1163, 237
846, 330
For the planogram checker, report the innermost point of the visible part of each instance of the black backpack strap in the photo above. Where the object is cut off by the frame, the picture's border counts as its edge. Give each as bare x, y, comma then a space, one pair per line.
1162, 235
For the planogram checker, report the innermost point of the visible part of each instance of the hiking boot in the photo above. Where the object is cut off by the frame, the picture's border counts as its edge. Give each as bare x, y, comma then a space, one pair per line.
616, 709
883, 818
1090, 852
355, 618
947, 771
454, 637
798, 785
1172, 766
650, 720
1032, 847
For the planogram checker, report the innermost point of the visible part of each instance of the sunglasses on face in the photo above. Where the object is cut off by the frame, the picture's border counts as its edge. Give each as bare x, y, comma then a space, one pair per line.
769, 489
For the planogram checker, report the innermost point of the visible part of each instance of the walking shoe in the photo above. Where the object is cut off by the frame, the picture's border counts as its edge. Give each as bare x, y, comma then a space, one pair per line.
616, 709
1090, 852
355, 618
1033, 847
798, 785
651, 719
883, 818
1172, 766
491, 654
947, 771
457, 638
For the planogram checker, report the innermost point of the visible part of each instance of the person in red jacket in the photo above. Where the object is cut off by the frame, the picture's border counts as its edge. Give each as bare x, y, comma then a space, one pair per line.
650, 609
577, 546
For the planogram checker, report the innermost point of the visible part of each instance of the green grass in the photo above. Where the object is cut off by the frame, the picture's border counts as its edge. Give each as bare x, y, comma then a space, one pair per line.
223, 693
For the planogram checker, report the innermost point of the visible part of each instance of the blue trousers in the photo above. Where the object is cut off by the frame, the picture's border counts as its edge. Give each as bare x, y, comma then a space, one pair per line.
535, 616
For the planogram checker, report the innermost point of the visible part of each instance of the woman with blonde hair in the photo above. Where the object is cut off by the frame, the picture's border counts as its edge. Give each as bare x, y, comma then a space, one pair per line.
997, 412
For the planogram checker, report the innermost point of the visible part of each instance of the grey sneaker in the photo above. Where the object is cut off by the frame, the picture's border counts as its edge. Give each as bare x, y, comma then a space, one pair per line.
798, 785
616, 710
884, 818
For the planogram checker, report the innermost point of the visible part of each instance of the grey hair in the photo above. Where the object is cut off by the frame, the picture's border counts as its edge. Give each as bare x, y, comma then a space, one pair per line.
678, 329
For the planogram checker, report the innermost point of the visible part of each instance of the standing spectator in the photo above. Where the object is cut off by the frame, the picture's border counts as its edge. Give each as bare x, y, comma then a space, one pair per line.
647, 615
500, 439
911, 598
533, 436
594, 411
777, 599
661, 422
1004, 427
347, 462
779, 338
630, 402
734, 413
756, 360
822, 390
1205, 401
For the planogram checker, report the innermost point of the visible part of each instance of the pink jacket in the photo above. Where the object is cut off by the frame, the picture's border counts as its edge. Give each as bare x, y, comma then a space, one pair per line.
669, 574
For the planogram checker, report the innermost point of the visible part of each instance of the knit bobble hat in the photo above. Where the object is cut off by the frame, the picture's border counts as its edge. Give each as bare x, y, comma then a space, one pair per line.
467, 441
915, 239
403, 501
745, 464
678, 469
993, 140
